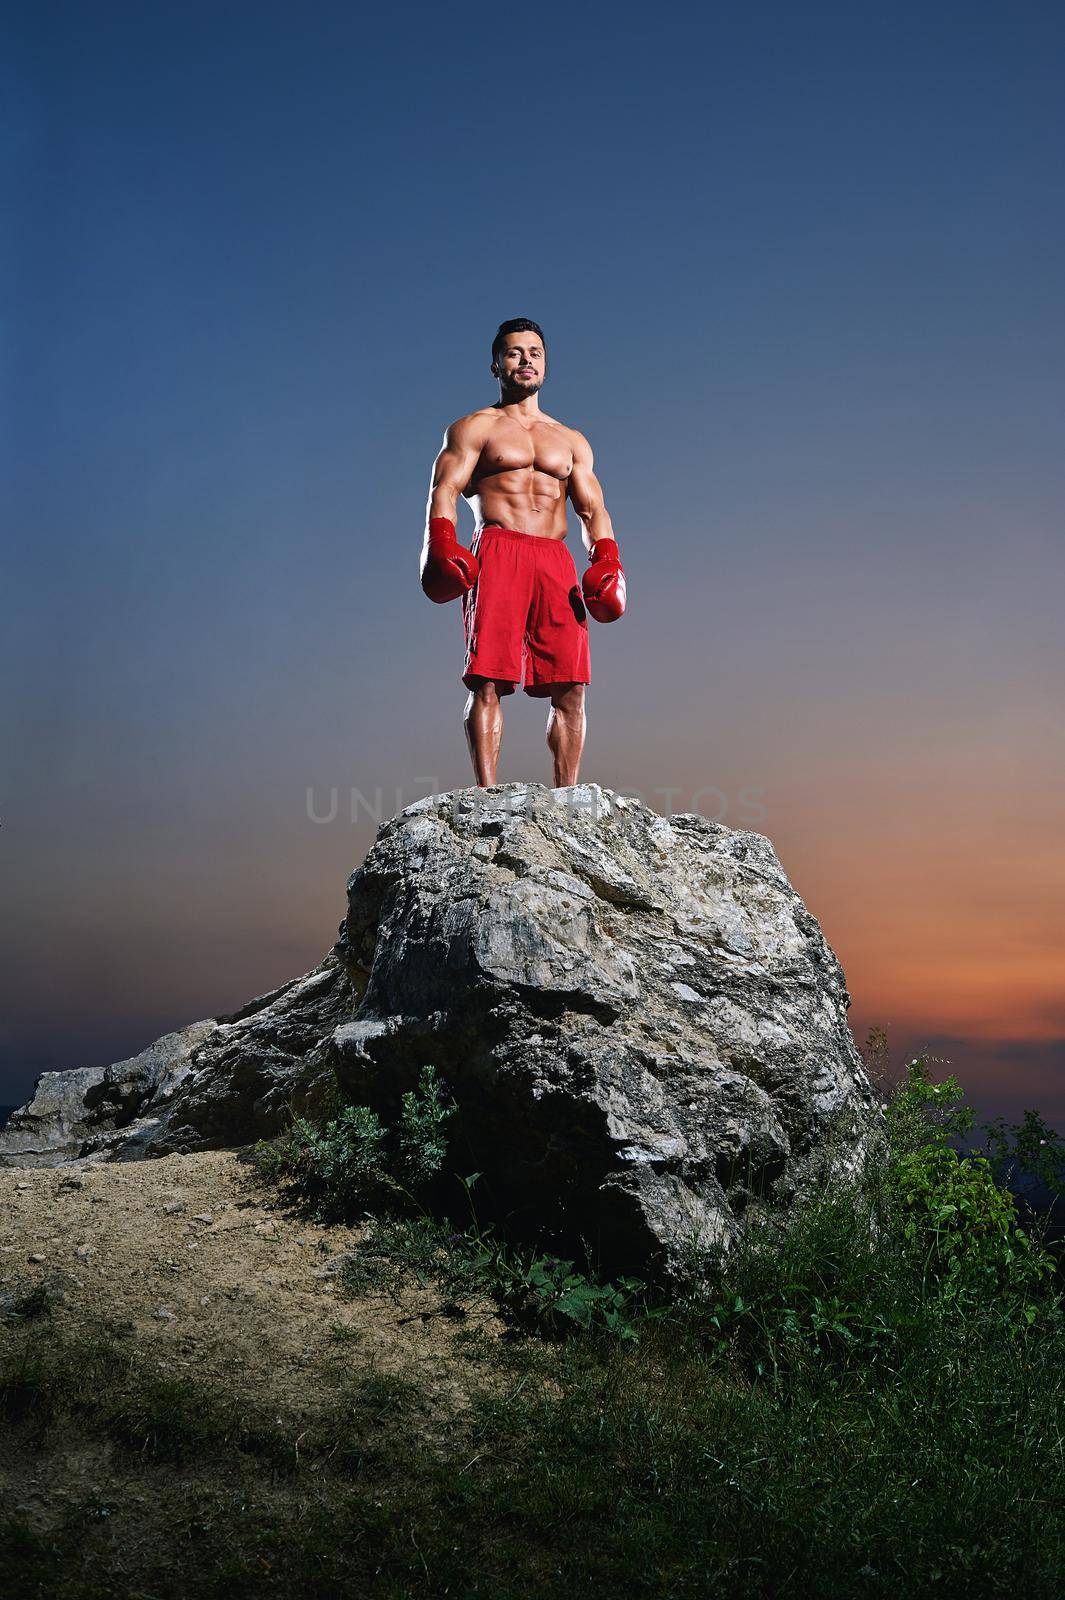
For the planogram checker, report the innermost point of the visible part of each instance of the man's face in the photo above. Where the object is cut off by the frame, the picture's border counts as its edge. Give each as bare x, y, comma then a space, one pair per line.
521, 365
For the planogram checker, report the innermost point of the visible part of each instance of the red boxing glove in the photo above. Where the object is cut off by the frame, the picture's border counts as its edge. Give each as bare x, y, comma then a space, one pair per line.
447, 570
604, 582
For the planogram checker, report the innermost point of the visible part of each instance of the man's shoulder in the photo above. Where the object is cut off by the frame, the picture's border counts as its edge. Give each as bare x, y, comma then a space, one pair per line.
576, 437
473, 424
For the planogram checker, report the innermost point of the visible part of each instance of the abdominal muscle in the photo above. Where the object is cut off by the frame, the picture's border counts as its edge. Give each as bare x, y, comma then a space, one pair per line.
530, 501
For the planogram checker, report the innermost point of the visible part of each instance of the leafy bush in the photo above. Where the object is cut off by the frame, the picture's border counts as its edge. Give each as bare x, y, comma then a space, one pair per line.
950, 1217
354, 1162
921, 1113
962, 1230
855, 1279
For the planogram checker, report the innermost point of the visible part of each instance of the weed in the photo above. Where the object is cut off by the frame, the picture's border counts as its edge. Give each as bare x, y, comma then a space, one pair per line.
32, 1303
950, 1217
353, 1162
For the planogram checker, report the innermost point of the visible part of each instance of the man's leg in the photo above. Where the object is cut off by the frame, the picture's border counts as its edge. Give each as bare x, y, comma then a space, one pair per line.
483, 722
566, 724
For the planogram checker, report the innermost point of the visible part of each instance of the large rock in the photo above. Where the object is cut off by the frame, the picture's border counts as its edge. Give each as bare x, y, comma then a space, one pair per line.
94, 1108
643, 1026
251, 1073
224, 1081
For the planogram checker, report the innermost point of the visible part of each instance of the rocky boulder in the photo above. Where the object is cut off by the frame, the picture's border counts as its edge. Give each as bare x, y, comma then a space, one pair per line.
223, 1081
642, 1024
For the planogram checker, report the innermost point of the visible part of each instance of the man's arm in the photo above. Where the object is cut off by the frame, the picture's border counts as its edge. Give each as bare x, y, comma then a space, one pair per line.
586, 494
603, 584
453, 468
447, 569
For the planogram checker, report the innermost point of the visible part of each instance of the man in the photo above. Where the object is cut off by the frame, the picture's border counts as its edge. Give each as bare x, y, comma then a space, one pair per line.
524, 613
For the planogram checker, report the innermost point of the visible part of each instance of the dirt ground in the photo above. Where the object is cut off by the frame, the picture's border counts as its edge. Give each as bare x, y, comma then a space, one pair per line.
201, 1269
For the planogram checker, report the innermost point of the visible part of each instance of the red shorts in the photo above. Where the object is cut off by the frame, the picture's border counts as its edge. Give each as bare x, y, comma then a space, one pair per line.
524, 619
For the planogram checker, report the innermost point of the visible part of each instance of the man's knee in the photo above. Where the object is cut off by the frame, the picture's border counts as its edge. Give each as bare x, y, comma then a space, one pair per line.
484, 695
568, 699
484, 689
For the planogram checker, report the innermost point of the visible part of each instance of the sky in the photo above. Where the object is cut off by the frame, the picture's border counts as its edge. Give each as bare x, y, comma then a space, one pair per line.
799, 271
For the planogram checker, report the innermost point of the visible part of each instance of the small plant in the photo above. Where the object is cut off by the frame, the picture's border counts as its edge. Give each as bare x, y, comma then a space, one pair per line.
354, 1162
920, 1113
337, 1169
964, 1233
421, 1135
553, 1296
341, 1334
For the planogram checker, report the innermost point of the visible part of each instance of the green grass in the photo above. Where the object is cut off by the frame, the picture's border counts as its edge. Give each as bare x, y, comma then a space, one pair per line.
657, 1470
866, 1403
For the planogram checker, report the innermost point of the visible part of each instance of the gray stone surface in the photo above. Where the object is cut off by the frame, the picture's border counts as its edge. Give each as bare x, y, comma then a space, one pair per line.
223, 1081
86, 1108
643, 1025
251, 1072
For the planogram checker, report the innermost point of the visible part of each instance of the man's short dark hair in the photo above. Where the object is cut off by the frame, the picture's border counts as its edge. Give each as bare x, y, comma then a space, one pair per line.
515, 325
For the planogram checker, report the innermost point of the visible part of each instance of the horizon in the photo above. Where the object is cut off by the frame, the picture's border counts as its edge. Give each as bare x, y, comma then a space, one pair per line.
898, 1054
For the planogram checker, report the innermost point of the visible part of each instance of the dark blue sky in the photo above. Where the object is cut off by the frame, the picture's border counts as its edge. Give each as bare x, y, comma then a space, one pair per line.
800, 274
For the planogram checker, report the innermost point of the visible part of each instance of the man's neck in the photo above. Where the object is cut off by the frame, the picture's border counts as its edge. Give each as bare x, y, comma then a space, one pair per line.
525, 407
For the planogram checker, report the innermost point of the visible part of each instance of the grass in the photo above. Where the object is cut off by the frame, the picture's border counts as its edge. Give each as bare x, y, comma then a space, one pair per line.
661, 1470
868, 1404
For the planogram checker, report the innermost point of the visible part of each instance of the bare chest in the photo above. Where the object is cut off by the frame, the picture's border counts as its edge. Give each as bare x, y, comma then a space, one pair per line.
511, 448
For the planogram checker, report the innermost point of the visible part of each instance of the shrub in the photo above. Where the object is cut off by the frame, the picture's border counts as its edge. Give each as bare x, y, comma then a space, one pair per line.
920, 1113
949, 1216
354, 1162
962, 1230
854, 1280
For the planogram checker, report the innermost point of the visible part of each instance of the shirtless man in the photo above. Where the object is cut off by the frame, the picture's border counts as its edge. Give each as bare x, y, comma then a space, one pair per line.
523, 610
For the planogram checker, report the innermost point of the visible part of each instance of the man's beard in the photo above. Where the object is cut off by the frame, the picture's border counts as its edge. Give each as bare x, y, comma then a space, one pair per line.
523, 385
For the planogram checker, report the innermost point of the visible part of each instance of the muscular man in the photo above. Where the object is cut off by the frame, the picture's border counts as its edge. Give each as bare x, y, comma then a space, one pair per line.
524, 613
